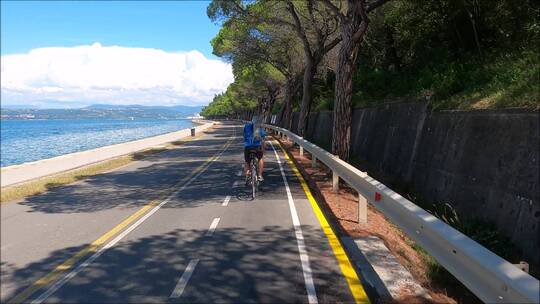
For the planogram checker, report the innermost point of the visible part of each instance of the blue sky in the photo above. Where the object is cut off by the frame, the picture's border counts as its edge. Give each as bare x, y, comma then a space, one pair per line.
72, 54
167, 25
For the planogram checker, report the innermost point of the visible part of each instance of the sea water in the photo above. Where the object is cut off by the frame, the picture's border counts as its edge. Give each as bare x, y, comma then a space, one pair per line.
30, 140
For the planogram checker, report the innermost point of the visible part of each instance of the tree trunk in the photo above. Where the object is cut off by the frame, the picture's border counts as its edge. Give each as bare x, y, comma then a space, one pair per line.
476, 39
391, 52
259, 108
472, 18
307, 91
279, 119
343, 98
287, 117
285, 110
263, 110
352, 33
289, 95
269, 108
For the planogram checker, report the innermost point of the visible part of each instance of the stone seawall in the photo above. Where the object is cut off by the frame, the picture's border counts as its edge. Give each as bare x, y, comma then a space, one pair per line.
484, 163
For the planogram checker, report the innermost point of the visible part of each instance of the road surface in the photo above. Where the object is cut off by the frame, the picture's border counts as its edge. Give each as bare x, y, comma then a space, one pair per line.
176, 227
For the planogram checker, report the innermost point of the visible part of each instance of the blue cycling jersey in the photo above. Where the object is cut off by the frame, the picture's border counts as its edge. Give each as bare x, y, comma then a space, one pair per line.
249, 139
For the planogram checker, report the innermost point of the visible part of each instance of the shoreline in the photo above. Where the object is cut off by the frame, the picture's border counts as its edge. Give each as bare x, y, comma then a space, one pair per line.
21, 173
81, 142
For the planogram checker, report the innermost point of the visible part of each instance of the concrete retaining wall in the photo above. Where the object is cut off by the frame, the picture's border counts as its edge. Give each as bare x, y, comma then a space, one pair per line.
28, 171
484, 163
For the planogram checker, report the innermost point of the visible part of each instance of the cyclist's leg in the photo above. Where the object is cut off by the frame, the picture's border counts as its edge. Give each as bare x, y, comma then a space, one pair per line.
260, 163
246, 161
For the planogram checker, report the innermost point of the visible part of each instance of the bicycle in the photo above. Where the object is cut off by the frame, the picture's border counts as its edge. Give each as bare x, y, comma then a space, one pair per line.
254, 170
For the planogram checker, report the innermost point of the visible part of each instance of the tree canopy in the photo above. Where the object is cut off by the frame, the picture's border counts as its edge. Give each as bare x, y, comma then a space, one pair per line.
334, 55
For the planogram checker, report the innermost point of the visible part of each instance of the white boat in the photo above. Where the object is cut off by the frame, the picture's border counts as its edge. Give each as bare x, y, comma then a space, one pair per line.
195, 117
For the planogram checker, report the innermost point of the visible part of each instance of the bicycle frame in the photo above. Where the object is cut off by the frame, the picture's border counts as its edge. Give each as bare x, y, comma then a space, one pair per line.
254, 170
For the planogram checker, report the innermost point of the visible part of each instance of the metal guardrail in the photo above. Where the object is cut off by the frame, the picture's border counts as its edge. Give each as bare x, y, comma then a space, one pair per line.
488, 276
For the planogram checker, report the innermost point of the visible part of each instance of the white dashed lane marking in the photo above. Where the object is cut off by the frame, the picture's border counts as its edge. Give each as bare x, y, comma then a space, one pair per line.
182, 282
213, 226
226, 201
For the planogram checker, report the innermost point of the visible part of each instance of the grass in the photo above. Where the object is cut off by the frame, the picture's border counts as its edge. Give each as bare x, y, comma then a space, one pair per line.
502, 80
436, 274
507, 81
482, 231
41, 185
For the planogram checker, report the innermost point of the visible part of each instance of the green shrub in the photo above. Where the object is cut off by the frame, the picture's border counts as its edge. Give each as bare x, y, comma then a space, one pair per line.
499, 81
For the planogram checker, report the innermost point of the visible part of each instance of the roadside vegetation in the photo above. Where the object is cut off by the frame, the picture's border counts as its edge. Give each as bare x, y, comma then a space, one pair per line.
305, 56
501, 81
299, 56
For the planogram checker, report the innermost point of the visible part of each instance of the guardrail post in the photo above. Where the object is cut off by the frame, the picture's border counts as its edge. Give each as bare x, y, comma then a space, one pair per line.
301, 151
362, 209
524, 266
313, 161
335, 181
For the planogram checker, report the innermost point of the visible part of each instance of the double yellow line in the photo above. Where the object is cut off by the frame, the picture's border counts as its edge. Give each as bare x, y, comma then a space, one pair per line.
98, 243
355, 286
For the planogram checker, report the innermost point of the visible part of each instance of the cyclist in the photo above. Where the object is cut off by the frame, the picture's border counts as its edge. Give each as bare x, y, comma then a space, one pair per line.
254, 141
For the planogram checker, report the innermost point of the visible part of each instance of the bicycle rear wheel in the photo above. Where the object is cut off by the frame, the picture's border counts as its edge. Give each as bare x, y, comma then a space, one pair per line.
254, 181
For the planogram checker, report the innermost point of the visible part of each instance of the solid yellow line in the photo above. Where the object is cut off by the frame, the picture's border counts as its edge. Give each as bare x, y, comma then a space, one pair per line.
95, 245
357, 290
68, 264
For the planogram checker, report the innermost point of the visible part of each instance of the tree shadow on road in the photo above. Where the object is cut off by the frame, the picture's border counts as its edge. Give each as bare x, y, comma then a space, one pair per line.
138, 183
157, 176
235, 265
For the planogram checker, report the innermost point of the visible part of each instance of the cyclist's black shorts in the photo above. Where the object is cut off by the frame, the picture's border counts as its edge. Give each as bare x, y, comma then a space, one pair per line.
258, 152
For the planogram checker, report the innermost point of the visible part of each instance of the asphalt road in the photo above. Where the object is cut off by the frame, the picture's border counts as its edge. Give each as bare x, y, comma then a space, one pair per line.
178, 226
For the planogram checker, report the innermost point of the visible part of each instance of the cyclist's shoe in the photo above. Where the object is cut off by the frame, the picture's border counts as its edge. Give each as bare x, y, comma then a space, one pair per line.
260, 178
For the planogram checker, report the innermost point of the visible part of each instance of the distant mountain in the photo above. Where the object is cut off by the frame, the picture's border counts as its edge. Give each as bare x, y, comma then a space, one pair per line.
185, 109
179, 108
4, 106
103, 111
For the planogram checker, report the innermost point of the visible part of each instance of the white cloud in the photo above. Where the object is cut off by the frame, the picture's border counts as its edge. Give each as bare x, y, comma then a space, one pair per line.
94, 73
